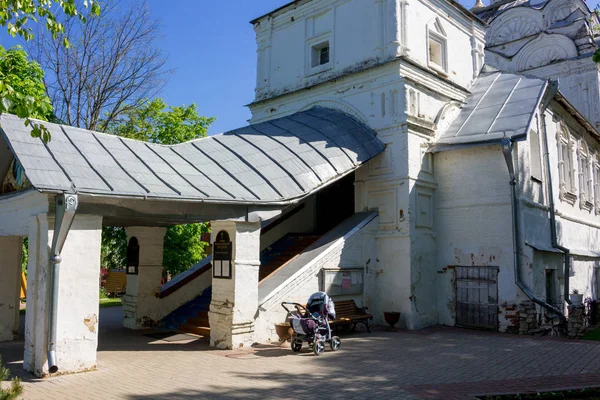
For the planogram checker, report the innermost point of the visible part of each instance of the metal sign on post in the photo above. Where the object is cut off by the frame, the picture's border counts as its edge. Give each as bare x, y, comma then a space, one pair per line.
222, 255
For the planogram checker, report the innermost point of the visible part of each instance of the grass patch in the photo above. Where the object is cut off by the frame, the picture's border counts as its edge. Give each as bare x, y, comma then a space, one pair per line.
575, 394
106, 302
592, 335
110, 302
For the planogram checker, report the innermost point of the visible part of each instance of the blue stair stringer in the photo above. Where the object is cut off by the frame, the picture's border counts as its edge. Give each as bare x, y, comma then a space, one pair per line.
189, 310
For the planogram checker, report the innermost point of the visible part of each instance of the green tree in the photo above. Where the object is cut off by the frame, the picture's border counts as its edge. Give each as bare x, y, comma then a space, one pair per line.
183, 247
14, 88
15, 388
114, 247
158, 123
155, 122
22, 85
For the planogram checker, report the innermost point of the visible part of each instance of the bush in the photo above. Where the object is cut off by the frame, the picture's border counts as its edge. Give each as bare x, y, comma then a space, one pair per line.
15, 388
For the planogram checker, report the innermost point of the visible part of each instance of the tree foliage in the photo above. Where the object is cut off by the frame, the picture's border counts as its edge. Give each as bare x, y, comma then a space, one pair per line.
155, 122
25, 255
15, 14
113, 253
22, 90
15, 388
15, 95
183, 247
111, 66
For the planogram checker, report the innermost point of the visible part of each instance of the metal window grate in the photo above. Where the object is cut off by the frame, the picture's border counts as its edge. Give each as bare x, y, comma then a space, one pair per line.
477, 297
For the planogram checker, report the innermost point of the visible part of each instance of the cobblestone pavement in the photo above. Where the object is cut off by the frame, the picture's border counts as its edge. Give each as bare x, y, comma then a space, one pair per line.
437, 363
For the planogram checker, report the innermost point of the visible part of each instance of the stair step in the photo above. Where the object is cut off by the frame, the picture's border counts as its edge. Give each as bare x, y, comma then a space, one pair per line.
198, 330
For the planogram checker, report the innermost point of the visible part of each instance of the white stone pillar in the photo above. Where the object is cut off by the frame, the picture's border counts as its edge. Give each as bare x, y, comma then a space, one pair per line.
78, 296
234, 302
10, 286
36, 317
139, 302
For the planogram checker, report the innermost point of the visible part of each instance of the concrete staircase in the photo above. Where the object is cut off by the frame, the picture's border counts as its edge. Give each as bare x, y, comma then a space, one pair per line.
295, 257
192, 317
282, 251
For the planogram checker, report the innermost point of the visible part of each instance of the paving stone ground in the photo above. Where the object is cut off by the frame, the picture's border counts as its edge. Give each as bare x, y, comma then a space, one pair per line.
437, 363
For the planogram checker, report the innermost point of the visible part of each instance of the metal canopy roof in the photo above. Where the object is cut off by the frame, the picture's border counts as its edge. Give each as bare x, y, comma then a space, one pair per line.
500, 104
270, 162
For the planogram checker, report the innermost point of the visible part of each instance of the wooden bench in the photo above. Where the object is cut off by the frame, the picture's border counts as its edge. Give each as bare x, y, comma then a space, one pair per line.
116, 282
348, 313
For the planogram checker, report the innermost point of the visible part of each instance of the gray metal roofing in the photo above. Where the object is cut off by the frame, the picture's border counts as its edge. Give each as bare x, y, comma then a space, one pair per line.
270, 162
499, 104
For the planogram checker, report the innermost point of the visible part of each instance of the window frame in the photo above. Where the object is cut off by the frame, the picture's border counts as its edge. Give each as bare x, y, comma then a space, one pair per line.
443, 43
596, 178
566, 142
535, 157
585, 176
313, 50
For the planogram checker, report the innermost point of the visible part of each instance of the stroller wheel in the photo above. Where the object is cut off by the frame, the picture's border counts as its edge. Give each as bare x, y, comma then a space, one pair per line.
296, 345
335, 343
319, 348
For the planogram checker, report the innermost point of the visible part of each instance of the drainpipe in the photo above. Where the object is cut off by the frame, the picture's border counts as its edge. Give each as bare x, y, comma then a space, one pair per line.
66, 205
507, 147
553, 89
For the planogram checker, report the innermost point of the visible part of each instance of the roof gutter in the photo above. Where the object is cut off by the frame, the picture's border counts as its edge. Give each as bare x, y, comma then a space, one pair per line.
66, 205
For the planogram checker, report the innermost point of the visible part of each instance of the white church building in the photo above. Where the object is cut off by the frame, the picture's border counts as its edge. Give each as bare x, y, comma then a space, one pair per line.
413, 156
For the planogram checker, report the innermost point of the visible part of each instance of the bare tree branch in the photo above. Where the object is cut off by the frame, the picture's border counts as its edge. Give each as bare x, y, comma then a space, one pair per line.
111, 66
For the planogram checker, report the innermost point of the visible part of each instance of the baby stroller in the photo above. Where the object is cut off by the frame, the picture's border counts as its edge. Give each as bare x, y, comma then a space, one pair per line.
311, 323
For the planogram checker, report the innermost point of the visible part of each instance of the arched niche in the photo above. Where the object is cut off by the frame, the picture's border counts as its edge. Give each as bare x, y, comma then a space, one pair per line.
514, 24
447, 114
544, 50
557, 10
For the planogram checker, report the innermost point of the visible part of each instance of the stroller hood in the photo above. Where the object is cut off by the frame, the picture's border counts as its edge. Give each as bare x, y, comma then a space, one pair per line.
322, 303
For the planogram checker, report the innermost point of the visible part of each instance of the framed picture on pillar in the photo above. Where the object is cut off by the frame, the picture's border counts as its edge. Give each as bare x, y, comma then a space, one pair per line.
222, 255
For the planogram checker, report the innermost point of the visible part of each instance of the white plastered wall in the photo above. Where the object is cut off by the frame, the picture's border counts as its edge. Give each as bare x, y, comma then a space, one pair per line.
78, 297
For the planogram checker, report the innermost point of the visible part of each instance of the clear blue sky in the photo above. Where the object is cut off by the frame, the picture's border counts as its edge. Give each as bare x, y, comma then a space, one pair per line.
212, 52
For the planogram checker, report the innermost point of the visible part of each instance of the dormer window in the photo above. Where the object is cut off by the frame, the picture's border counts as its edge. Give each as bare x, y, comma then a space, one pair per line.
320, 54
